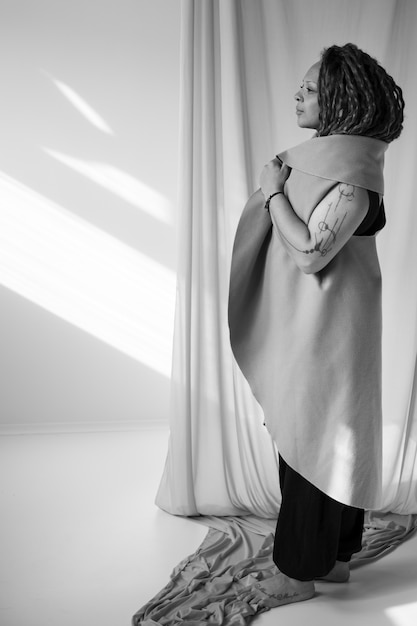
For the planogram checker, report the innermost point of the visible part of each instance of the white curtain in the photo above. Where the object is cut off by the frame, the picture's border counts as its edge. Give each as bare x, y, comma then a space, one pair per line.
241, 63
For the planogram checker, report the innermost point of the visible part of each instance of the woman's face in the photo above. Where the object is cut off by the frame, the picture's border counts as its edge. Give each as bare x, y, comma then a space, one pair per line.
307, 109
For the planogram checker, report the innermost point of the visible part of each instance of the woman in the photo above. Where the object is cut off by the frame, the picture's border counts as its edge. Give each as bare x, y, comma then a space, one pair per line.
305, 316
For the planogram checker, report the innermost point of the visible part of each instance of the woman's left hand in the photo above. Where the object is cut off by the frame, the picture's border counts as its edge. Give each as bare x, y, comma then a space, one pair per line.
273, 177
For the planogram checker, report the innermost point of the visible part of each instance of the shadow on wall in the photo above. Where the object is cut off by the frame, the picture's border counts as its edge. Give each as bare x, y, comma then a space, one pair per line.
57, 378
89, 278
86, 216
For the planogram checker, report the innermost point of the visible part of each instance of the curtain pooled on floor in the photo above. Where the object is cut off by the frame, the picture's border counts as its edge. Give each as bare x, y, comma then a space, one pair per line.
241, 63
206, 587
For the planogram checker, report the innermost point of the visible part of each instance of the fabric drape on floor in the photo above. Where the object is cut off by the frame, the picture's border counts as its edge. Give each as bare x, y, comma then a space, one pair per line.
236, 553
241, 63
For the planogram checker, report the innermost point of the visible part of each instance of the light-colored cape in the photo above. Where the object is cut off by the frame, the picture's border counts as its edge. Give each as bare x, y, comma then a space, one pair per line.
310, 344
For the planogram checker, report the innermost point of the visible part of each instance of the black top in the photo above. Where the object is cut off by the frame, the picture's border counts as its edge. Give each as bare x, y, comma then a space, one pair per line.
374, 220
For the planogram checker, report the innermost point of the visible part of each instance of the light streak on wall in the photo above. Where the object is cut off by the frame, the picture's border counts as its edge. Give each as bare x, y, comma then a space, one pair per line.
121, 184
85, 276
80, 104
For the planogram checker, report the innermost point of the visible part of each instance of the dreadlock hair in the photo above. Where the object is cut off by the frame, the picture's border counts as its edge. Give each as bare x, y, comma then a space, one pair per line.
356, 96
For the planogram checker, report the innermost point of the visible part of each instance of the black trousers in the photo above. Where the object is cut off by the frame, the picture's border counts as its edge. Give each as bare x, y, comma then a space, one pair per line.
313, 530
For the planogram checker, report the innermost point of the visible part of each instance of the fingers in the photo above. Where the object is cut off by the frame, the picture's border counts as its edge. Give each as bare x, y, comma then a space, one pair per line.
273, 176
284, 168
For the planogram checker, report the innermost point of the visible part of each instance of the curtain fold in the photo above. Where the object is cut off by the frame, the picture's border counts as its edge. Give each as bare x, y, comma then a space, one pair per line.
236, 553
241, 63
398, 257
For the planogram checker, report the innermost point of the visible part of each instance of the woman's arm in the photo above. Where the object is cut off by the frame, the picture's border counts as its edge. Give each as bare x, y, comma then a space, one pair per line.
332, 223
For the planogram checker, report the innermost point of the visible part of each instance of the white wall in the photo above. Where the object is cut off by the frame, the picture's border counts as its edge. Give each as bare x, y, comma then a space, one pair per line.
88, 162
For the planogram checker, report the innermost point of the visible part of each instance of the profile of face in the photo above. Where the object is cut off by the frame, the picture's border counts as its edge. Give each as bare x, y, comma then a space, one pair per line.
307, 109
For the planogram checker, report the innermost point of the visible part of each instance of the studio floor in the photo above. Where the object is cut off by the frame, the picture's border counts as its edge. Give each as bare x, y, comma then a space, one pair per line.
83, 544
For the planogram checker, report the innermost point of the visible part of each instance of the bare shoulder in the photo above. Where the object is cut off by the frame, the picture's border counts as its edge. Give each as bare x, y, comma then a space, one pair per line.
334, 221
341, 198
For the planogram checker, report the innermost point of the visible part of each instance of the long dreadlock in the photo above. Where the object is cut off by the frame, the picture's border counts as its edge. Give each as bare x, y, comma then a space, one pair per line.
356, 96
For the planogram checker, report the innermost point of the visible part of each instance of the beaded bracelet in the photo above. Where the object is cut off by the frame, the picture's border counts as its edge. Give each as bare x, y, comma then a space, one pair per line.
267, 203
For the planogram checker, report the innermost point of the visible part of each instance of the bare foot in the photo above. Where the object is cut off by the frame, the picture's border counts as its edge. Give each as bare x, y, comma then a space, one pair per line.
339, 574
278, 590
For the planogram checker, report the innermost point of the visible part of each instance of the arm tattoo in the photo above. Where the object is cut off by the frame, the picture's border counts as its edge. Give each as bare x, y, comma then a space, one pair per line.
327, 230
